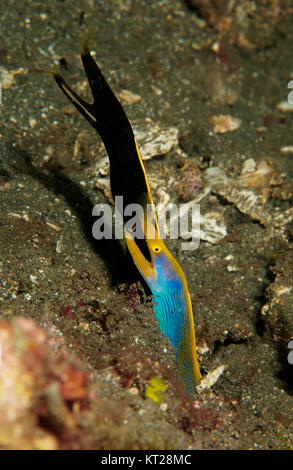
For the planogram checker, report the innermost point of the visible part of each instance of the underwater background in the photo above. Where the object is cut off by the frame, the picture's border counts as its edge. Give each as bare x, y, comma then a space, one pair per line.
205, 85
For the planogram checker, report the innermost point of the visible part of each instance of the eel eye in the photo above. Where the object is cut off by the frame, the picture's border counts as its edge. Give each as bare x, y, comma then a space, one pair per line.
157, 249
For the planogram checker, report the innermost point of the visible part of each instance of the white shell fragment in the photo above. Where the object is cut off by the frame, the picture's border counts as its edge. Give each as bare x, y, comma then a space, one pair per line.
212, 229
211, 378
104, 185
53, 226
260, 176
249, 192
104, 166
287, 149
280, 294
153, 141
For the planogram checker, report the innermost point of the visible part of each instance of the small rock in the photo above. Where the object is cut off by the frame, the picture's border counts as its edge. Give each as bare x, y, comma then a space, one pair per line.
285, 106
225, 123
127, 97
7, 76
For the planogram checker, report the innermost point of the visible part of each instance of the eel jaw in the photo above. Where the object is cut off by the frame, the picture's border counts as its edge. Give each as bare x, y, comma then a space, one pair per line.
145, 267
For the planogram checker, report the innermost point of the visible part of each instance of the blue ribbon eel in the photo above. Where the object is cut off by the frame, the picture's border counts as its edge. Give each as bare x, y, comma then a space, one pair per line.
160, 270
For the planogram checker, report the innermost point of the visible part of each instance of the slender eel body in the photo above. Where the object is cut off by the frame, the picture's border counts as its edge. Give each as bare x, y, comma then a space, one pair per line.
158, 267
